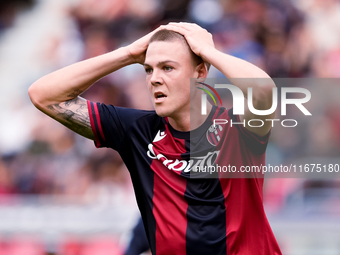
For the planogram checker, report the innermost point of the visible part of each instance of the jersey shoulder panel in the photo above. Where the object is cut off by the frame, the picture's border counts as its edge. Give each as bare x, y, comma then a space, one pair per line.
257, 144
110, 124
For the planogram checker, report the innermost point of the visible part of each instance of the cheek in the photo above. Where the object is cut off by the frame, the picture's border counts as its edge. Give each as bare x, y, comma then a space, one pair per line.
148, 84
184, 92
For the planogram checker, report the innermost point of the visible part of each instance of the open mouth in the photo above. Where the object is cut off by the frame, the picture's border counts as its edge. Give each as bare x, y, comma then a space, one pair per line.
159, 96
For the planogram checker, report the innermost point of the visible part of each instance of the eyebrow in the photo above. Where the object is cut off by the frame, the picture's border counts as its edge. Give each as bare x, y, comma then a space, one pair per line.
161, 63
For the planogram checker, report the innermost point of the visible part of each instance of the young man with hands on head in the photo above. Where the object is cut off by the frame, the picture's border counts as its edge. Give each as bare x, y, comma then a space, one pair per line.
181, 215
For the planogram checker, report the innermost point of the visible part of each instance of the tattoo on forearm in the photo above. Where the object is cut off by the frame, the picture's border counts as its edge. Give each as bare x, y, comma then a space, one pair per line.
74, 115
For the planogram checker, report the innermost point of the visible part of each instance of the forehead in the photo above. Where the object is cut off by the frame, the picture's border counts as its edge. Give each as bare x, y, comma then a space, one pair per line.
167, 50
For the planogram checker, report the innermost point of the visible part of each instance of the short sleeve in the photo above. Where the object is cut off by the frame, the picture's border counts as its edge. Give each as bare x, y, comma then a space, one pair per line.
257, 144
110, 124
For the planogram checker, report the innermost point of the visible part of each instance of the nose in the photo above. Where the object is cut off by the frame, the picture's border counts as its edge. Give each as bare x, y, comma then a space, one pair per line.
156, 78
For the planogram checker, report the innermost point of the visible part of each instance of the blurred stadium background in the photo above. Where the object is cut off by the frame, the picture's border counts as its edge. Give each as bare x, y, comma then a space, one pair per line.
60, 195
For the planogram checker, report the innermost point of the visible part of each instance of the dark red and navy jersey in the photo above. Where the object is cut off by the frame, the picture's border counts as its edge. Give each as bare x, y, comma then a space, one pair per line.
186, 209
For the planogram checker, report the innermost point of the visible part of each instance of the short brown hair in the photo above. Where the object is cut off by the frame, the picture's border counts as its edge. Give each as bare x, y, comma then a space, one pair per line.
165, 35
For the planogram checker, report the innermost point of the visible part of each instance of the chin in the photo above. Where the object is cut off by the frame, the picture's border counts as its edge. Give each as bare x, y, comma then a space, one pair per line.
162, 112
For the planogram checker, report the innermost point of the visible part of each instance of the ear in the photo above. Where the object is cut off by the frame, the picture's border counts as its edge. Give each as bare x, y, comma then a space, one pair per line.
201, 72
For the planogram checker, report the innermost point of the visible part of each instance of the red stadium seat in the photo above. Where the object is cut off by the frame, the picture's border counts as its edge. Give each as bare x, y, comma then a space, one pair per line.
23, 246
102, 246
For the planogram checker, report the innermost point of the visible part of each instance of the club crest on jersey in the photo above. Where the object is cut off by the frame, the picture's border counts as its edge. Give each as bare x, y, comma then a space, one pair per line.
214, 134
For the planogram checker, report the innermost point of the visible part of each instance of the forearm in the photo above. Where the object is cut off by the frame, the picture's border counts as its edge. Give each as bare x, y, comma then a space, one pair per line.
245, 75
240, 72
67, 83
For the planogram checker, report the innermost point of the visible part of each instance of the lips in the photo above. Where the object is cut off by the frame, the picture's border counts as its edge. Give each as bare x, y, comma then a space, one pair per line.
159, 97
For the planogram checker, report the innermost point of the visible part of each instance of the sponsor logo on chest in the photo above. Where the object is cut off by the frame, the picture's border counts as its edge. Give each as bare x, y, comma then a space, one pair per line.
178, 164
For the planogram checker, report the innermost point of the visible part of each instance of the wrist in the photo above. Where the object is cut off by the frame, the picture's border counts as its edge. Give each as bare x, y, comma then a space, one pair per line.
133, 57
130, 59
207, 52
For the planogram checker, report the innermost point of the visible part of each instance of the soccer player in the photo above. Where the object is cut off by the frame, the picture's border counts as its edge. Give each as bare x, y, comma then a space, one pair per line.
181, 214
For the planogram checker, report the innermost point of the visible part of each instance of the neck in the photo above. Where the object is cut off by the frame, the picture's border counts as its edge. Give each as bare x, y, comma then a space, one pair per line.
189, 120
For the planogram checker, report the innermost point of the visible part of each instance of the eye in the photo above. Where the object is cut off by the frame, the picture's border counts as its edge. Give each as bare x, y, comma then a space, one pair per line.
148, 70
167, 68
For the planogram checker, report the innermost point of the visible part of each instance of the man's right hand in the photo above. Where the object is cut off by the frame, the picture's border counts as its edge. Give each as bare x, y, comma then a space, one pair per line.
138, 48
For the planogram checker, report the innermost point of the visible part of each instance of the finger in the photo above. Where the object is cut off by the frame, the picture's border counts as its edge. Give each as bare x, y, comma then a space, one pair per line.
179, 25
157, 29
177, 29
188, 26
160, 28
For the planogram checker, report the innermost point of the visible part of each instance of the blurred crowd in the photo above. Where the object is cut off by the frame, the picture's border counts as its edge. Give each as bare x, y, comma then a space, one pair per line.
288, 39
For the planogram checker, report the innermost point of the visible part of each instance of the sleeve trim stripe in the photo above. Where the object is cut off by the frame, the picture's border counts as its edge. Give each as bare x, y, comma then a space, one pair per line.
89, 106
98, 122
